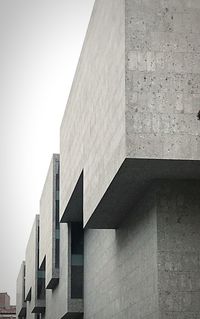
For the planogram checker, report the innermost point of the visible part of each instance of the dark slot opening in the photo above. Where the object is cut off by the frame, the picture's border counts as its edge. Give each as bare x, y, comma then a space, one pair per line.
41, 291
57, 215
57, 182
57, 254
77, 240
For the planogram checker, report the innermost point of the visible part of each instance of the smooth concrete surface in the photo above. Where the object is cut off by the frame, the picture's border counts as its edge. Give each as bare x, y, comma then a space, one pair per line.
20, 291
92, 136
48, 223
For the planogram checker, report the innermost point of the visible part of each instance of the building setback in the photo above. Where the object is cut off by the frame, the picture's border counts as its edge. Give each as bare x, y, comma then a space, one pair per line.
126, 184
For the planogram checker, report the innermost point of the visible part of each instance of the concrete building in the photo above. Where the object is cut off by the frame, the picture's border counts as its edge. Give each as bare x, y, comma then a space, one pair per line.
129, 206
7, 311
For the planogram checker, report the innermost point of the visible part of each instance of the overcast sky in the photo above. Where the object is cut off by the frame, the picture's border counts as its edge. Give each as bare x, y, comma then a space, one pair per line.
40, 43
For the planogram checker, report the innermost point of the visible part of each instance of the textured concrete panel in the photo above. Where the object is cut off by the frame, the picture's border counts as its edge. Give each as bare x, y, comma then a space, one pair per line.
93, 126
178, 249
48, 231
20, 289
162, 82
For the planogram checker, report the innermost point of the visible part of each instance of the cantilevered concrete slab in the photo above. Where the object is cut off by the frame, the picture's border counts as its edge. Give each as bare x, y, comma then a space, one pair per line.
130, 183
135, 96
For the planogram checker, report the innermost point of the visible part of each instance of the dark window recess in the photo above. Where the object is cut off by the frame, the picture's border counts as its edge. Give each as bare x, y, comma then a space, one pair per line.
41, 288
57, 215
57, 182
77, 260
77, 282
38, 245
57, 254
41, 291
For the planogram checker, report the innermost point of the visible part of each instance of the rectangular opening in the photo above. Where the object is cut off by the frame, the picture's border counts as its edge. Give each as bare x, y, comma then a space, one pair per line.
77, 246
41, 291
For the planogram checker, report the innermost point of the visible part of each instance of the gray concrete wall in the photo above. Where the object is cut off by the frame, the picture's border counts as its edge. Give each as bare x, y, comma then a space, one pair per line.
47, 221
179, 250
20, 291
93, 127
163, 76
120, 267
31, 268
149, 267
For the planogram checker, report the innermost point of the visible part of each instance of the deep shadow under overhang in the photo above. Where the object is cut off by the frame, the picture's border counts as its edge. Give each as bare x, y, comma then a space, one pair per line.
74, 209
130, 183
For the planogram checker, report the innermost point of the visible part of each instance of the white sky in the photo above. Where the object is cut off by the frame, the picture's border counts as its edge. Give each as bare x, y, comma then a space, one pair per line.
40, 43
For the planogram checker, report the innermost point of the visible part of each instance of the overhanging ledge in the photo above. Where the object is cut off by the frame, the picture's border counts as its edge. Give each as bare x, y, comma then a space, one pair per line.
130, 182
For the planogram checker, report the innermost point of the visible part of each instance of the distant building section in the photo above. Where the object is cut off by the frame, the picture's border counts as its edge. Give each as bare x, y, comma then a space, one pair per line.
6, 310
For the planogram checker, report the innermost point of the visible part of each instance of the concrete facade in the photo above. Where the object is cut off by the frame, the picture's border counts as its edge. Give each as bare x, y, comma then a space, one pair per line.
21, 304
129, 174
